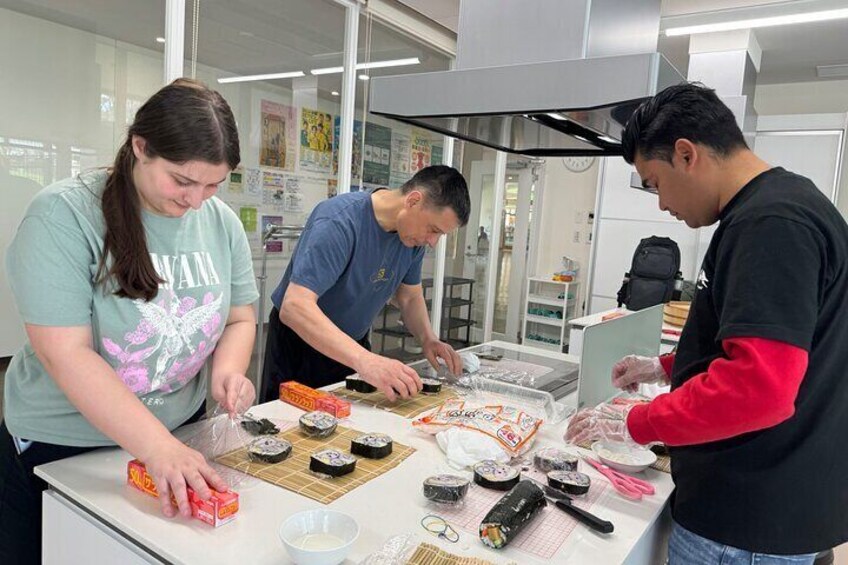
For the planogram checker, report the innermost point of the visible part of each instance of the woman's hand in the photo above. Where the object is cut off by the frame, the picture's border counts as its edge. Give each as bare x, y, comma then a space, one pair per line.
234, 392
175, 466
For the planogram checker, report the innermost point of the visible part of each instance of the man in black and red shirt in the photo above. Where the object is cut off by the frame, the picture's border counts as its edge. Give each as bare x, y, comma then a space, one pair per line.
757, 417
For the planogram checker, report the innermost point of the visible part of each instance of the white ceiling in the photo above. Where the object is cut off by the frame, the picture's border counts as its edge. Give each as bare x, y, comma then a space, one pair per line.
260, 36
790, 53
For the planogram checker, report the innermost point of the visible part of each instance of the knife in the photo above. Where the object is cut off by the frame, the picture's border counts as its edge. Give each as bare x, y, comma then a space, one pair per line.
564, 503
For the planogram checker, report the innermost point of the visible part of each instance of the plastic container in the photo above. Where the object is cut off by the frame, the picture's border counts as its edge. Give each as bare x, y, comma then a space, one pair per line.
537, 403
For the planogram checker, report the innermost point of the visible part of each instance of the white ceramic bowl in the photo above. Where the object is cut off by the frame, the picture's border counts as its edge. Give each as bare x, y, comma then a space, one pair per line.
624, 457
319, 537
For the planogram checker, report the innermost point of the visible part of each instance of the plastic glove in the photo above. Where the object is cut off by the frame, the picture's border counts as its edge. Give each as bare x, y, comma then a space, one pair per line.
633, 370
607, 422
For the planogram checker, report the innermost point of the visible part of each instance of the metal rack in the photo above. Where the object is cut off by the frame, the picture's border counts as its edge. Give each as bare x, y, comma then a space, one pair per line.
450, 322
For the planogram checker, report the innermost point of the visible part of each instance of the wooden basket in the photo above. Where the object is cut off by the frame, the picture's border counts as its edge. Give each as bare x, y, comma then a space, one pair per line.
675, 313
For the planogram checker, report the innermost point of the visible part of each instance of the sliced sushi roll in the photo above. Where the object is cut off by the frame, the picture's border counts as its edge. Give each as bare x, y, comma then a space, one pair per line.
431, 386
269, 449
318, 424
496, 476
372, 446
358, 385
332, 462
551, 459
511, 513
570, 482
447, 489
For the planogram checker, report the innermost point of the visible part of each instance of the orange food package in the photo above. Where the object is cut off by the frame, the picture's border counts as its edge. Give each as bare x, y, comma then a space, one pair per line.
309, 399
218, 510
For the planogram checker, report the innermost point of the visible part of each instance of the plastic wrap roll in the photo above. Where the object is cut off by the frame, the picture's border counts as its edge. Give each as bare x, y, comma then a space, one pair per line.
511, 514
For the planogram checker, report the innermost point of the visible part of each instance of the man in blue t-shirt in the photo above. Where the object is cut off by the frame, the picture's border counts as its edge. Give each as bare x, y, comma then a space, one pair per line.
357, 252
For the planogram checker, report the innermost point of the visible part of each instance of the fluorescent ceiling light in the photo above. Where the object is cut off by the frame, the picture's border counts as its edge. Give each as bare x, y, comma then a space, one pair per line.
327, 71
271, 76
160, 40
760, 22
392, 63
557, 116
334, 93
832, 71
371, 65
363, 77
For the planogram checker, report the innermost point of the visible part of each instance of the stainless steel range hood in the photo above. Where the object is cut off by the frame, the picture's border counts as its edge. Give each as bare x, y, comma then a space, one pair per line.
538, 77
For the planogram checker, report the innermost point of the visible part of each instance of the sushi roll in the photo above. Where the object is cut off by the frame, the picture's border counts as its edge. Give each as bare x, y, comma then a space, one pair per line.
431, 386
447, 489
570, 482
550, 459
269, 450
332, 462
496, 476
372, 446
511, 513
358, 385
318, 424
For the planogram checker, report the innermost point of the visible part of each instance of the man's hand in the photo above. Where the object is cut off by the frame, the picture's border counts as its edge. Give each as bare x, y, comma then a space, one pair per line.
633, 370
390, 376
435, 350
607, 422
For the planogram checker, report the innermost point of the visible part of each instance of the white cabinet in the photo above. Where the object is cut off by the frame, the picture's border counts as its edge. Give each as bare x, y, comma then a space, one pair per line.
548, 305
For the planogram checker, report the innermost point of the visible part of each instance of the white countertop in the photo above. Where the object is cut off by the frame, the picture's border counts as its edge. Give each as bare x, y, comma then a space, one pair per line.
389, 505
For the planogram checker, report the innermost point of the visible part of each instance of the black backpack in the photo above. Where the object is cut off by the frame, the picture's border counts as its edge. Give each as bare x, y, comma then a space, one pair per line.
653, 274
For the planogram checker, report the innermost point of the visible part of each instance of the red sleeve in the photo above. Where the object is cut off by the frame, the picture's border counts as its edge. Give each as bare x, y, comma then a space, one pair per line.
667, 362
754, 388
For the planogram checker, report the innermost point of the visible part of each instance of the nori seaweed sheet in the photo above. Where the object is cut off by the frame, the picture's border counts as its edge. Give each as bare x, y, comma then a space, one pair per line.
511, 513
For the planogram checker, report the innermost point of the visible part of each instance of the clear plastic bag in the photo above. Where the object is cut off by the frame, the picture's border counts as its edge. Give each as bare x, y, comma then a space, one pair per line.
538, 403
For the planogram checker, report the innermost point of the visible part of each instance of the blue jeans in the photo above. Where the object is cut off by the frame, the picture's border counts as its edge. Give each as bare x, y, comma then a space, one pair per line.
687, 548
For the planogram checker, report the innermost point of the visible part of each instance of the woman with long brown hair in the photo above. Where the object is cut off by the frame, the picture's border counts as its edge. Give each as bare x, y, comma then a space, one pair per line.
128, 279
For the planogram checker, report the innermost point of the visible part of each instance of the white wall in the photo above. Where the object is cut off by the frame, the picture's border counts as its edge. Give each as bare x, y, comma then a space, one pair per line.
568, 200
815, 97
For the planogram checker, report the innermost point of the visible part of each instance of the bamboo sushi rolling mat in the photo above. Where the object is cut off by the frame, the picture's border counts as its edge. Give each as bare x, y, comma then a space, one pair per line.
429, 554
408, 408
293, 474
663, 462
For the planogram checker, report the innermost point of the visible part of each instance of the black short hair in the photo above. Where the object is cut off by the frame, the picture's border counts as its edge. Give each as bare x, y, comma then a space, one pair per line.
688, 110
442, 186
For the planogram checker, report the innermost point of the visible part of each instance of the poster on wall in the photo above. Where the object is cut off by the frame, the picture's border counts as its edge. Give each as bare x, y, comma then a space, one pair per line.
273, 246
278, 136
273, 189
235, 185
316, 141
356, 168
332, 187
436, 155
252, 183
420, 152
293, 201
401, 145
376, 154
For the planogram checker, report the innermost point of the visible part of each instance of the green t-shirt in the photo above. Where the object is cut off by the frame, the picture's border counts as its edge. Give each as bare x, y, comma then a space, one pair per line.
156, 348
